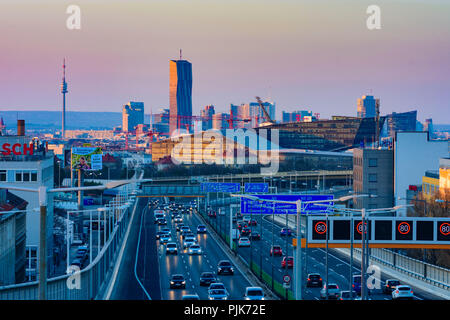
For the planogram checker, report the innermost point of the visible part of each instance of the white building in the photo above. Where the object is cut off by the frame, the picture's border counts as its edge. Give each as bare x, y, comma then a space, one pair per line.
29, 171
414, 153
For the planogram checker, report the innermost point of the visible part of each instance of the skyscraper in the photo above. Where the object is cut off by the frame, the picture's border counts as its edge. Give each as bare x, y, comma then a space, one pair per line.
180, 95
207, 117
367, 107
132, 115
405, 121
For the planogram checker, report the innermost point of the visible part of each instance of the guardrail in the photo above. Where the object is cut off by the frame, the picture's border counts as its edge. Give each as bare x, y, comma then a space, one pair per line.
93, 279
420, 270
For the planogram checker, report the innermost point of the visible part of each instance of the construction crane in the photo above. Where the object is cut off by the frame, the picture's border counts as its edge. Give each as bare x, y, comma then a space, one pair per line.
266, 115
235, 119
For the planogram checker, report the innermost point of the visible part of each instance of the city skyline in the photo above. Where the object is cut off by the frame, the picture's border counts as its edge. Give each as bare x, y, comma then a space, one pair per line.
249, 52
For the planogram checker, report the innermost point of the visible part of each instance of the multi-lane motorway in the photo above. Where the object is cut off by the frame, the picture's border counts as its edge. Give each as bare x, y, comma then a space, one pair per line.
145, 269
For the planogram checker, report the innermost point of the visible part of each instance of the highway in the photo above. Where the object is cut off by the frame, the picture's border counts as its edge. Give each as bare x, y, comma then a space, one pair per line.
339, 264
146, 269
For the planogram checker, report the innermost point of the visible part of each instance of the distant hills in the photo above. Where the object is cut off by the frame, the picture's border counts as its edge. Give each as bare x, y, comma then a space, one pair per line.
74, 119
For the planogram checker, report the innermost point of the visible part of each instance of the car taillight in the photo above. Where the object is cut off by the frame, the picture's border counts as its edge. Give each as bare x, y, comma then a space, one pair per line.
411, 292
320, 279
396, 291
309, 279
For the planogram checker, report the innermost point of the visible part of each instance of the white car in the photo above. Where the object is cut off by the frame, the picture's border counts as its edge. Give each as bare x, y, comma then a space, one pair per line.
244, 242
171, 247
402, 292
333, 291
165, 238
194, 249
246, 219
188, 242
254, 293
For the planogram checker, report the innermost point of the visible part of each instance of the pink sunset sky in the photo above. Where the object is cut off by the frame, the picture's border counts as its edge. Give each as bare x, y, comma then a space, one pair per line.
315, 55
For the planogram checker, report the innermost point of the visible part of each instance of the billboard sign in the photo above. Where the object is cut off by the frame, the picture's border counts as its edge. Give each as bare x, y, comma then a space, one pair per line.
86, 158
249, 206
220, 187
256, 187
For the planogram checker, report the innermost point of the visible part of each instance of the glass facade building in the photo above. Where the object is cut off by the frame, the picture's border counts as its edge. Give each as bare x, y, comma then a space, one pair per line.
180, 95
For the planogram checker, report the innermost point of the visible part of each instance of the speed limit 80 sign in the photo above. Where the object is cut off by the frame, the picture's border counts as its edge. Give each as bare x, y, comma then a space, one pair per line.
404, 230
443, 231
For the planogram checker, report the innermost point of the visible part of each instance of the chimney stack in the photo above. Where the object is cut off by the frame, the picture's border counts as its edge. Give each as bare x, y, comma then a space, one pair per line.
20, 127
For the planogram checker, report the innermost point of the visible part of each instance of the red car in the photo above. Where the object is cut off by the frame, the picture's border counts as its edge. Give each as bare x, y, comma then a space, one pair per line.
290, 262
212, 214
241, 224
276, 251
245, 232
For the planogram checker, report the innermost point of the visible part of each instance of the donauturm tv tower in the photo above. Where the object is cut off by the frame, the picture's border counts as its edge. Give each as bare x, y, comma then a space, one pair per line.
64, 91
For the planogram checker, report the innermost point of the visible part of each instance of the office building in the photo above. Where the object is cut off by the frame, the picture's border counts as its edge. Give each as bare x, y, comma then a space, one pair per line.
444, 177
405, 121
414, 154
373, 174
428, 126
430, 184
207, 117
30, 166
337, 134
180, 95
298, 116
132, 115
367, 106
220, 121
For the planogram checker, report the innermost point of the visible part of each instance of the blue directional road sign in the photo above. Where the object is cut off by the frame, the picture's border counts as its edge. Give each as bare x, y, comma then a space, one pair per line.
257, 187
249, 206
220, 187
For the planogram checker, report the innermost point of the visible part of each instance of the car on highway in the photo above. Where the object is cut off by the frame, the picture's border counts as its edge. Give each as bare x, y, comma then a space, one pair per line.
356, 283
402, 292
218, 294
190, 297
253, 222
165, 238
184, 229
194, 249
201, 228
162, 221
285, 231
178, 219
244, 242
212, 214
187, 234
77, 263
333, 291
241, 224
245, 232
276, 250
246, 219
290, 262
177, 281
206, 278
179, 226
254, 293
166, 230
390, 285
171, 248
314, 280
255, 236
216, 285
347, 295
225, 267
188, 242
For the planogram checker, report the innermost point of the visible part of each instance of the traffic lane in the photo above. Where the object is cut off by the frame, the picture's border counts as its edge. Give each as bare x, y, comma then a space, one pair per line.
270, 264
170, 264
126, 286
235, 284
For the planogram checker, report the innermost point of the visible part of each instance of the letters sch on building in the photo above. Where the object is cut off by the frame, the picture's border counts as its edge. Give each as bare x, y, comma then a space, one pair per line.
16, 149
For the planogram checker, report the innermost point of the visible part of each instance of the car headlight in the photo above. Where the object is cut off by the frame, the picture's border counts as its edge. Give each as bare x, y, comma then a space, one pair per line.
171, 282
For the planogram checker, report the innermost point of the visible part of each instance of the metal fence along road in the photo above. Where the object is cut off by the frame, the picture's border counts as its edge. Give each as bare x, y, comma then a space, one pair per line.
420, 270
88, 283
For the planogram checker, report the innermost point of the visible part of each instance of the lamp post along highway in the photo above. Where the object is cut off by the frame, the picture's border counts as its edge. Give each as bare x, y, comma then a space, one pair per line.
42, 196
